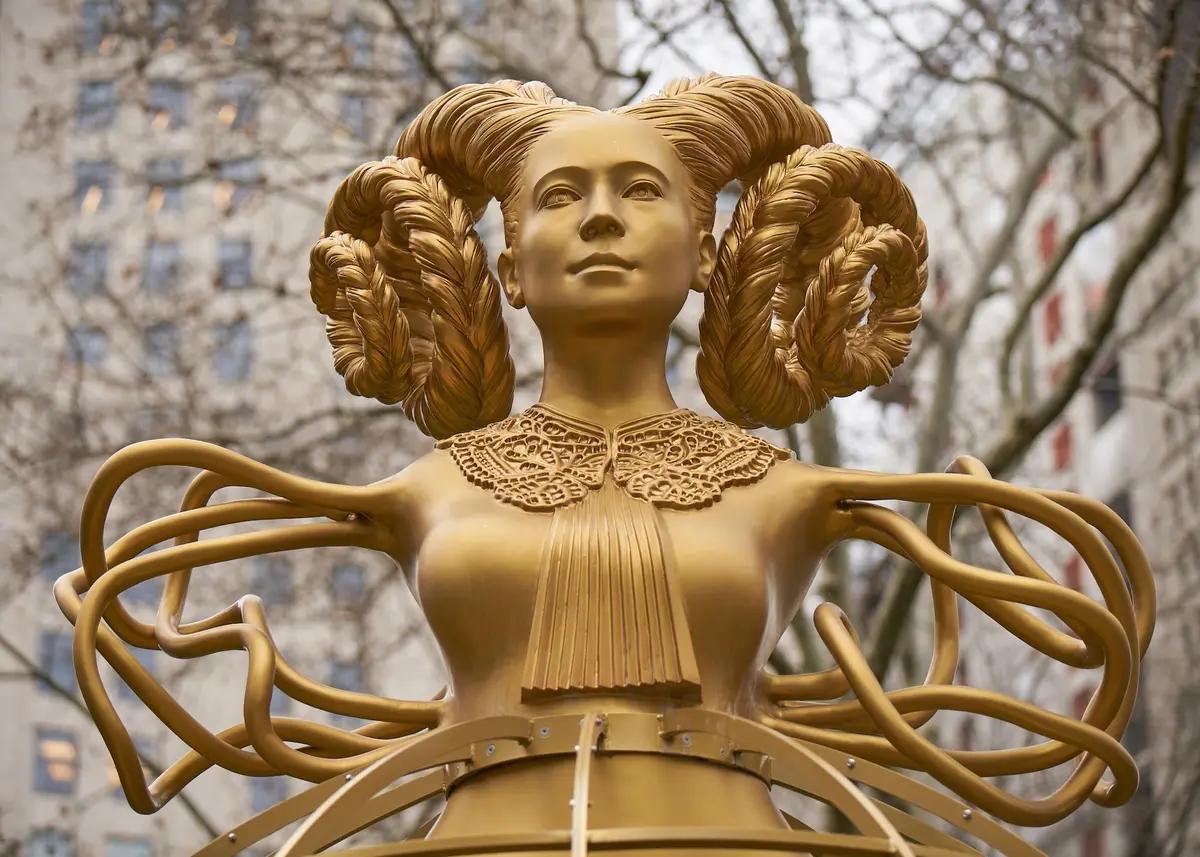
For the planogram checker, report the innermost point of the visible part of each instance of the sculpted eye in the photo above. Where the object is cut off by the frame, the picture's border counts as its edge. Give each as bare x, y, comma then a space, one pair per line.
557, 197
643, 190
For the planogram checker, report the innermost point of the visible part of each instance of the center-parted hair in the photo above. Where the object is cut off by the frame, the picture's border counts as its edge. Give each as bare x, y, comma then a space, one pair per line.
815, 294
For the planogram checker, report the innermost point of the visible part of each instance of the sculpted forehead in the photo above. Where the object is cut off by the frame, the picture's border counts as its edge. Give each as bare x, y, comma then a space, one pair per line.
598, 140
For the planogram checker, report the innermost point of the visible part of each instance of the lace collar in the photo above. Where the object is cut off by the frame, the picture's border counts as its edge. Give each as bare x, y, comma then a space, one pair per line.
543, 459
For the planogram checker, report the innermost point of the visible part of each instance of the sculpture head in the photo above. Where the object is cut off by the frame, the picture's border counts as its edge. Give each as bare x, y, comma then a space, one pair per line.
607, 221
605, 232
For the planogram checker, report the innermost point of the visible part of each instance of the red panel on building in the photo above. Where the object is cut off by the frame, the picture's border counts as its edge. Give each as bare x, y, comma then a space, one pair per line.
1052, 318
1063, 446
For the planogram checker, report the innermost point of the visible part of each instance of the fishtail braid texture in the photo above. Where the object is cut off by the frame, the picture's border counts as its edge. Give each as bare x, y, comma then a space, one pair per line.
413, 310
817, 287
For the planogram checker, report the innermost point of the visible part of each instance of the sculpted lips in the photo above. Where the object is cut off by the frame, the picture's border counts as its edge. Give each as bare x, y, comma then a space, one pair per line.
599, 259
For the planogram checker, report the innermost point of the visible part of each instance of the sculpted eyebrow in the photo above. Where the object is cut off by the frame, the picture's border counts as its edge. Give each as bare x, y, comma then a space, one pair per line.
579, 174
569, 172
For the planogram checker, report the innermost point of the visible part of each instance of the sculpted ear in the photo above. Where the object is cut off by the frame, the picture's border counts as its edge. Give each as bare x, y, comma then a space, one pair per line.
507, 268
708, 261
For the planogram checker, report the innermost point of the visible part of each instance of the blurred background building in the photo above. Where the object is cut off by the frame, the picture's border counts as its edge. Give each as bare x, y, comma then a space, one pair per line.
166, 167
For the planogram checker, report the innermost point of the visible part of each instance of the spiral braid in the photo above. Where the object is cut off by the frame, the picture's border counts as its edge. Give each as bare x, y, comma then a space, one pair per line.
782, 335
413, 310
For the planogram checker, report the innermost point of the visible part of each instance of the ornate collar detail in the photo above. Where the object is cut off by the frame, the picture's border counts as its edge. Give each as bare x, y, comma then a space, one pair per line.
542, 459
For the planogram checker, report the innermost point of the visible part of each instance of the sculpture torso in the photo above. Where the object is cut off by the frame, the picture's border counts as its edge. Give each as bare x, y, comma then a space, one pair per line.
739, 565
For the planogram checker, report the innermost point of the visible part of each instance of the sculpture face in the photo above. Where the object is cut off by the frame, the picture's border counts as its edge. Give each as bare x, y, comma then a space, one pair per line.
605, 233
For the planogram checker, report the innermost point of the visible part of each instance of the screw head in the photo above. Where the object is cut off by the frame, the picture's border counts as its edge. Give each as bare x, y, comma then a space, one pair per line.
687, 740
491, 748
851, 762
967, 814
544, 731
349, 777
231, 836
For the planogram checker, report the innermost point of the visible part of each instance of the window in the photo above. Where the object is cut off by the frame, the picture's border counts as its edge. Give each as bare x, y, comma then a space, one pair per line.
167, 14
59, 554
272, 579
89, 268
352, 117
93, 185
1122, 504
88, 345
54, 659
49, 842
237, 104
234, 353
96, 23
265, 792
97, 105
357, 45
234, 264
1063, 447
55, 761
281, 703
1048, 239
236, 178
346, 675
160, 344
161, 273
149, 663
167, 104
236, 19
165, 177
1106, 393
348, 584
1052, 318
121, 847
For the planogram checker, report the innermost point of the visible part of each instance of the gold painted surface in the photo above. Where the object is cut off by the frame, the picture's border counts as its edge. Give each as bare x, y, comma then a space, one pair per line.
518, 536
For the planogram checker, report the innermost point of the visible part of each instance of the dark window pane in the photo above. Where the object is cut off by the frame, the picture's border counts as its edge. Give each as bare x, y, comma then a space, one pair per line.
348, 584
237, 20
89, 267
54, 659
55, 761
161, 347
265, 792
93, 185
165, 178
167, 104
353, 115
234, 264
48, 842
346, 675
236, 179
60, 554
237, 103
161, 273
357, 44
97, 105
88, 345
96, 21
1106, 393
272, 579
234, 353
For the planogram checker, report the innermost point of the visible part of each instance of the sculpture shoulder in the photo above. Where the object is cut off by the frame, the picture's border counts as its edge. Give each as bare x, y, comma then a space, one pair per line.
809, 495
415, 493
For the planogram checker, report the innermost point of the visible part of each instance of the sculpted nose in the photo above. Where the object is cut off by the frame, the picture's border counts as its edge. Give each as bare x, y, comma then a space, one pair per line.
601, 220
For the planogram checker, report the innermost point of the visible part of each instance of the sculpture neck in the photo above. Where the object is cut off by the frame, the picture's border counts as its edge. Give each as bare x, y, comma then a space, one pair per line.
605, 379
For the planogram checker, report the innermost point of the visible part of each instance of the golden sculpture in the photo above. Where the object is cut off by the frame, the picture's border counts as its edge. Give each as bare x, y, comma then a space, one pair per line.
607, 573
